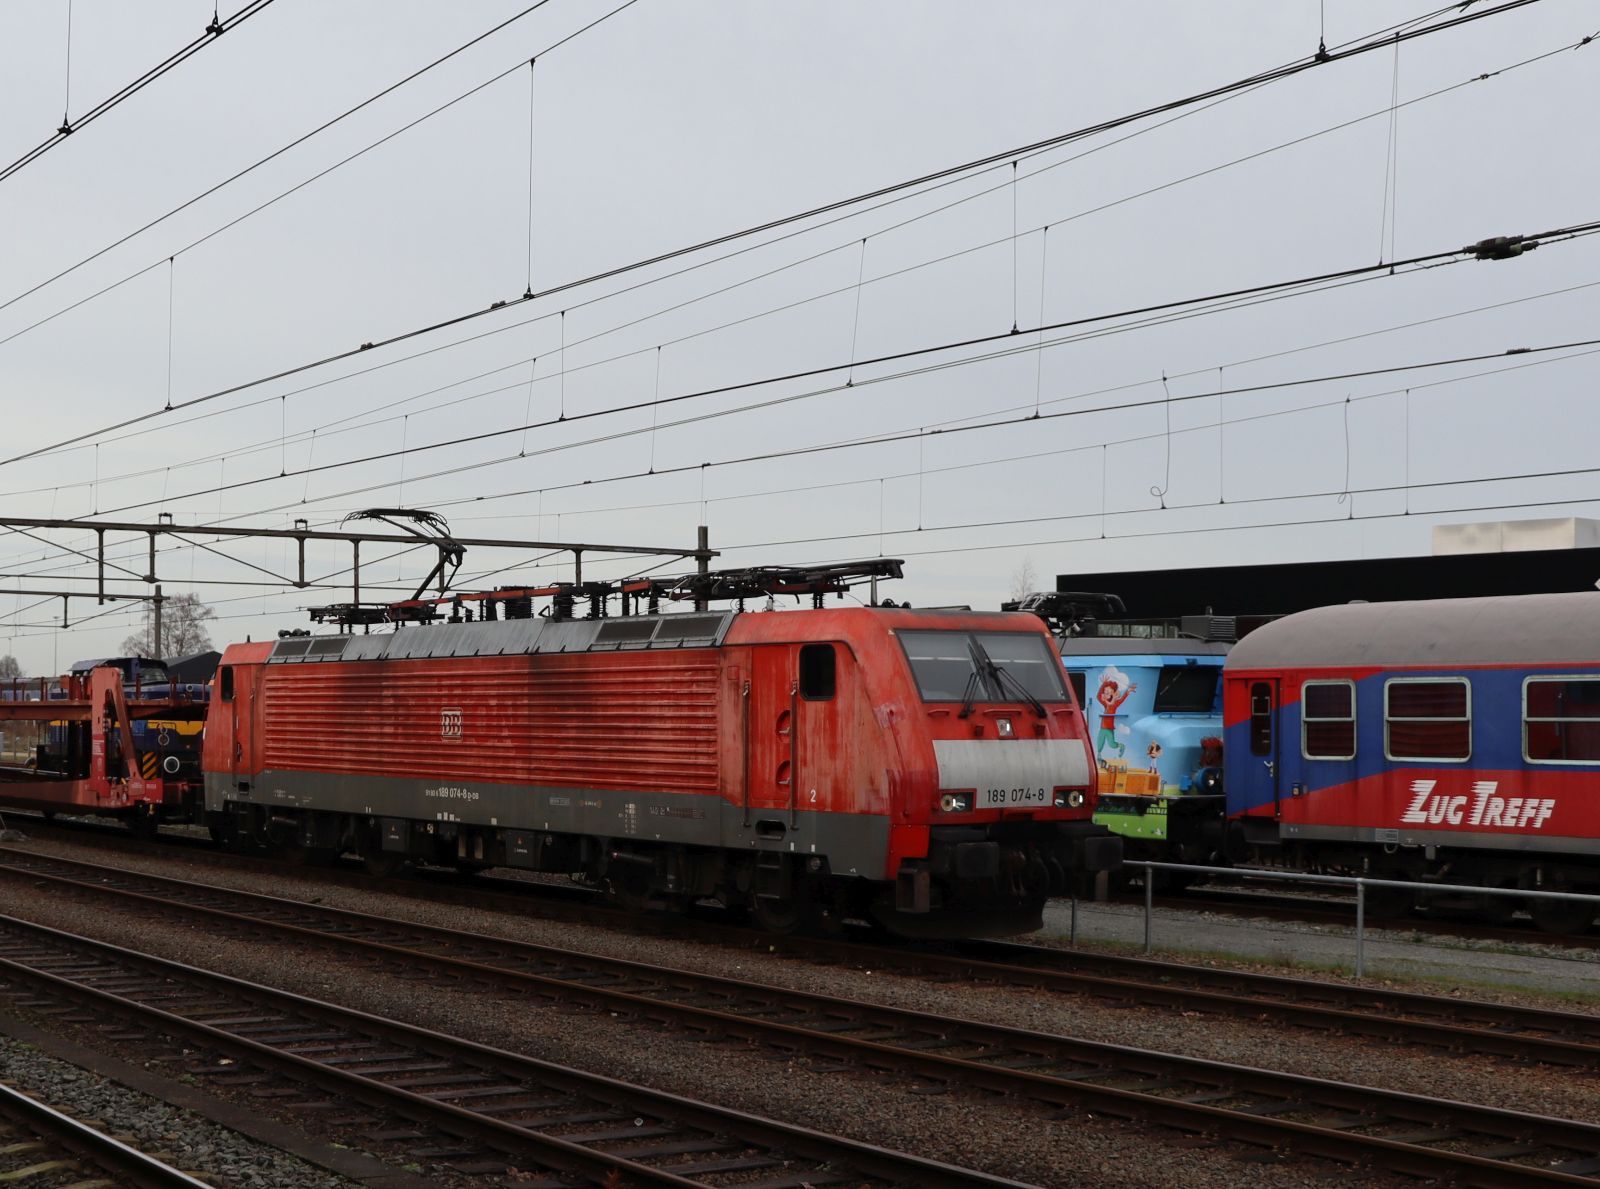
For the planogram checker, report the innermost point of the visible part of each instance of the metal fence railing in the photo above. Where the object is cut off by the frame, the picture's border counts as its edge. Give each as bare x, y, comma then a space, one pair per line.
1359, 883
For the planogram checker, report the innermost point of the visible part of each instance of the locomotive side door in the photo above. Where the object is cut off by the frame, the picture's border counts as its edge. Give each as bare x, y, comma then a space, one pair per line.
774, 703
234, 698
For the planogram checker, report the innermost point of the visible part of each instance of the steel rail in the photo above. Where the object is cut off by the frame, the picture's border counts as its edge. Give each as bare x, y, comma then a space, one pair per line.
129, 1165
1461, 1026
353, 1059
1256, 1105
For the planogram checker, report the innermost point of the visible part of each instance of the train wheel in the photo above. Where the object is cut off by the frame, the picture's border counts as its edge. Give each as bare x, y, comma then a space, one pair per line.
383, 863
144, 825
1561, 917
295, 853
1498, 910
1385, 904
629, 887
775, 915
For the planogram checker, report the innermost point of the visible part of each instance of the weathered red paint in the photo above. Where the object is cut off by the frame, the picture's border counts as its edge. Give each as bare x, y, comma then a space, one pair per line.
729, 721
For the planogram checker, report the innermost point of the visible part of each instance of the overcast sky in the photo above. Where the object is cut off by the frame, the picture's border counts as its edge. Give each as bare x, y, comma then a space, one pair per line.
673, 122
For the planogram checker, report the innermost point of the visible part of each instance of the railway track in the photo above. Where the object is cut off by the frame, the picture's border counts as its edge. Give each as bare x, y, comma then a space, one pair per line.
474, 1108
1461, 1026
42, 1148
581, 904
1399, 1132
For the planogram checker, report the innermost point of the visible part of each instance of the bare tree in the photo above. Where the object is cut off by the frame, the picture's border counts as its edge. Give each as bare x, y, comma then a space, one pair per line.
10, 670
183, 630
1024, 580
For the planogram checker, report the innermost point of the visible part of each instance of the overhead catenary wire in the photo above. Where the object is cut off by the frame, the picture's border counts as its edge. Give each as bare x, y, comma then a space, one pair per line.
1104, 391
1209, 529
920, 436
1453, 255
871, 440
275, 154
128, 90
1476, 77
1041, 319
1275, 74
813, 487
296, 188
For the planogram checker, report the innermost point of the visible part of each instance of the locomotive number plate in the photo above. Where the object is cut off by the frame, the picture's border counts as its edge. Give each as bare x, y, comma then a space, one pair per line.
1010, 798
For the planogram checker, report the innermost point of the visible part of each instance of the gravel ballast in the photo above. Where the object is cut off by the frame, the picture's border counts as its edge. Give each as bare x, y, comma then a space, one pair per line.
178, 1138
1000, 1135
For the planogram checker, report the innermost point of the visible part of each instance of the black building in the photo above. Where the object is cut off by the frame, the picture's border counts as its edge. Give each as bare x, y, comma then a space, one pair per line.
1281, 589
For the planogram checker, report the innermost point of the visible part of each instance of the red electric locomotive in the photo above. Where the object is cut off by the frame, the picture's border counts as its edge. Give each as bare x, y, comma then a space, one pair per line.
927, 768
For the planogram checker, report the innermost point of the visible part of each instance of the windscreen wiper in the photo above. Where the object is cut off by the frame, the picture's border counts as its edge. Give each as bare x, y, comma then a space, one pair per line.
969, 694
1001, 675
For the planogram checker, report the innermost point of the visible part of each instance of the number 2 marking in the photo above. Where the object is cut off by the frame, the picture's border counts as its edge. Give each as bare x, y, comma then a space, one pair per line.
813, 797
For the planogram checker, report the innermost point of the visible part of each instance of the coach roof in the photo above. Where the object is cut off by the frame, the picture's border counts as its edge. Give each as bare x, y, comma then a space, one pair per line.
1544, 629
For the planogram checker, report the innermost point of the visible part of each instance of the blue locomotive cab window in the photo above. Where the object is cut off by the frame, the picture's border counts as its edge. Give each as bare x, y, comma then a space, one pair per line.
1561, 720
1328, 720
1427, 718
1186, 689
818, 672
1079, 681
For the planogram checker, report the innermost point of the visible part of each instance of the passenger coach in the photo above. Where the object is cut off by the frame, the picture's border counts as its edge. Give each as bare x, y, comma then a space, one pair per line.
1455, 740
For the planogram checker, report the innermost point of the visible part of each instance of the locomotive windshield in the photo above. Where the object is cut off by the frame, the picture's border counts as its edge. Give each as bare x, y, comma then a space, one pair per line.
1187, 689
956, 666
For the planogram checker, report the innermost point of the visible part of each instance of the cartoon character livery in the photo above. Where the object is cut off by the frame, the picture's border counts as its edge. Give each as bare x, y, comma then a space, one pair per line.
1159, 699
1115, 689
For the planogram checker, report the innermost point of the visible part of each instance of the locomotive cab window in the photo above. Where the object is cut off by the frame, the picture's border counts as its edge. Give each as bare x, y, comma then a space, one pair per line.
1186, 689
1561, 720
225, 680
955, 666
818, 672
1328, 720
1427, 718
1079, 680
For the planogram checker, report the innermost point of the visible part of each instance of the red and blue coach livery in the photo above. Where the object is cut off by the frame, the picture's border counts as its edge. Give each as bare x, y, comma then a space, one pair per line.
1449, 740
926, 768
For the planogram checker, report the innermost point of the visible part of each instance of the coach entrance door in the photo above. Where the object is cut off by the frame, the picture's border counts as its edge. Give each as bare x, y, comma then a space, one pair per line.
1264, 743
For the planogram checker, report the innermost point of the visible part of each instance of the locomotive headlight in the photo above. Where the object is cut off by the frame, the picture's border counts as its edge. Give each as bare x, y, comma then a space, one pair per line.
1070, 800
955, 802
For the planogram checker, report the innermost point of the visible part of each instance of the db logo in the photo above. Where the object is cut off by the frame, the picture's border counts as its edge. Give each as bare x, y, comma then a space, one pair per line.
450, 722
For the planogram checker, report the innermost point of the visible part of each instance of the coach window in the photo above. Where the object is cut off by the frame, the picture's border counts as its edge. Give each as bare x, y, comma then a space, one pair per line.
227, 683
1561, 720
1261, 718
1328, 720
818, 672
1427, 718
